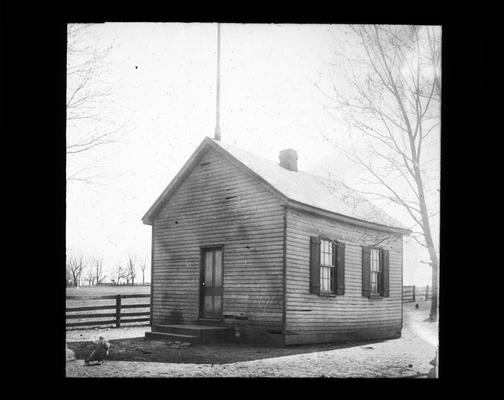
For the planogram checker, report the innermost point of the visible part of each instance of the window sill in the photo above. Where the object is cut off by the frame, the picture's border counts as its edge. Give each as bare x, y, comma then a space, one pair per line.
376, 296
327, 294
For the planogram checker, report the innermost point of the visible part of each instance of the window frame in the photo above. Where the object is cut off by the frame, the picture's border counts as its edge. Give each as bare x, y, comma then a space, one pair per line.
379, 274
331, 268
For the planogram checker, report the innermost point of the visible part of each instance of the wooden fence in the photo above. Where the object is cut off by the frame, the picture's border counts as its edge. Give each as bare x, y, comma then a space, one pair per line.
118, 317
416, 293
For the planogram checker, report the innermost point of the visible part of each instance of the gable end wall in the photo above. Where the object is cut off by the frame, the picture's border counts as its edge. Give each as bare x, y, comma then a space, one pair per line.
219, 204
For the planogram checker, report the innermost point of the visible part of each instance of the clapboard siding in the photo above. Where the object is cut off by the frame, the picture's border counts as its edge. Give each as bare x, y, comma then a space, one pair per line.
320, 316
219, 204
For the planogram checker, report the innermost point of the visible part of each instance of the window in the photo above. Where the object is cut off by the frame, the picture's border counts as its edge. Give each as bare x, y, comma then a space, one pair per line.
375, 271
326, 266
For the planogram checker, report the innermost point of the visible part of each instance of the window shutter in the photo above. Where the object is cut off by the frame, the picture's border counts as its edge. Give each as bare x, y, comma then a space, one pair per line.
340, 269
366, 262
335, 263
314, 265
385, 273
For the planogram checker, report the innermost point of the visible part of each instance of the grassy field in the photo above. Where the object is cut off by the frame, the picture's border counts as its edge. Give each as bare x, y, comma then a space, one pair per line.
107, 291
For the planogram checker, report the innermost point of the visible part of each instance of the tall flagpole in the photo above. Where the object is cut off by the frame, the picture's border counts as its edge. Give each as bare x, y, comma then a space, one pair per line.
217, 119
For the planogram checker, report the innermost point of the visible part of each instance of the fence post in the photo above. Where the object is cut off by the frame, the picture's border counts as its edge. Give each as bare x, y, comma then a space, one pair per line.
414, 293
118, 311
427, 293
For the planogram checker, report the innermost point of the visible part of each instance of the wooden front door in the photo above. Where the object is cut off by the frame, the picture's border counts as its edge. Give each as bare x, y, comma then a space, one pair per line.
211, 283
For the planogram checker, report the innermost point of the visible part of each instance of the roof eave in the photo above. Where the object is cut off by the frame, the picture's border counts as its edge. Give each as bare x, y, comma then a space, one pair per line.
344, 218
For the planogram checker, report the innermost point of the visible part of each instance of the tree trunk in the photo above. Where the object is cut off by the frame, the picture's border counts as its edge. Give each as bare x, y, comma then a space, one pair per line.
435, 278
430, 245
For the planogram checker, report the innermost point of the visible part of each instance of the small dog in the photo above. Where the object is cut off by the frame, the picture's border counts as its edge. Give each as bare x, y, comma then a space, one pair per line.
100, 353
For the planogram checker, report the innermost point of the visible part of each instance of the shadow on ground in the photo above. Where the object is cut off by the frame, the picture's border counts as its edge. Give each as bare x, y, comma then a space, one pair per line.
140, 349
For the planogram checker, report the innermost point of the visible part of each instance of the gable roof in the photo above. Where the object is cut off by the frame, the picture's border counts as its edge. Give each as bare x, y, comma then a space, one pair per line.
294, 188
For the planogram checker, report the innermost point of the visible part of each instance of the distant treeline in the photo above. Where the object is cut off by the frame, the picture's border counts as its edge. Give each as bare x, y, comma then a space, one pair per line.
83, 271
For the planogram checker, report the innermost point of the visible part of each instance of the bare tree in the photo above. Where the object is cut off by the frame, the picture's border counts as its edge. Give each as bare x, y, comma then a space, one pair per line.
393, 100
75, 266
87, 94
143, 266
98, 271
120, 273
90, 278
131, 268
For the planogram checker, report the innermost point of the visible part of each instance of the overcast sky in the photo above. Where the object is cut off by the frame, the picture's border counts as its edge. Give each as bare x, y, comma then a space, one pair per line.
162, 81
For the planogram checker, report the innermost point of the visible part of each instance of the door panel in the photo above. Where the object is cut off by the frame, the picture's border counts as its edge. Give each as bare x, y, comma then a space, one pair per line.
208, 277
218, 268
218, 304
211, 283
208, 304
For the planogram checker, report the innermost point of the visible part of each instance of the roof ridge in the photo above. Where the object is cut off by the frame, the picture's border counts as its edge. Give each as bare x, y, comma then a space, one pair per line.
310, 174
269, 160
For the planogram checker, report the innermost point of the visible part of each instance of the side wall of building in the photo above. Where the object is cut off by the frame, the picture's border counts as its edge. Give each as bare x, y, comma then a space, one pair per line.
316, 318
219, 204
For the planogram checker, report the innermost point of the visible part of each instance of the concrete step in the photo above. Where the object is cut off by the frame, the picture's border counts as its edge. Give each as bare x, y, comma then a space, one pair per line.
173, 337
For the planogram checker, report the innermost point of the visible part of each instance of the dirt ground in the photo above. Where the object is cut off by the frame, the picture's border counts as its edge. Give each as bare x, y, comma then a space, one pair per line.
133, 356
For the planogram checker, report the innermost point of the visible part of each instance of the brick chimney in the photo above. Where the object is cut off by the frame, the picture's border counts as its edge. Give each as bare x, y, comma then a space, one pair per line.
288, 159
